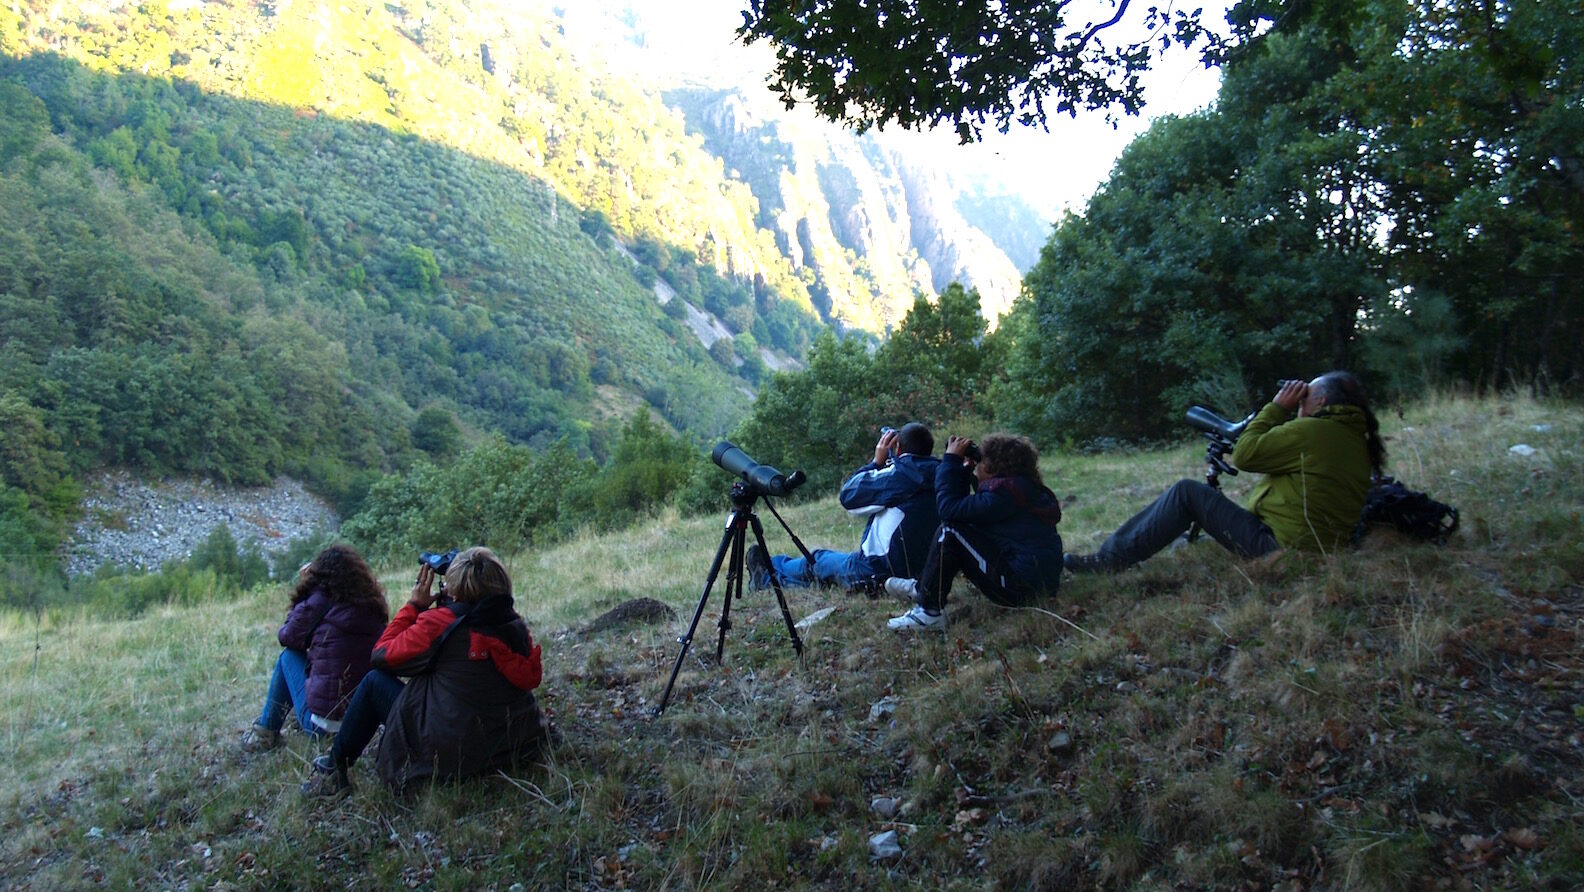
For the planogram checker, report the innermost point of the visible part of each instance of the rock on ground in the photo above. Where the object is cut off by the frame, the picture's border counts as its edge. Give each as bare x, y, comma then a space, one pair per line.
133, 523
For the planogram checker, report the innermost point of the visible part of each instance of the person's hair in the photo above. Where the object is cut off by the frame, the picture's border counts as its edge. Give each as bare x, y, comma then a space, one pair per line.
475, 574
342, 574
1344, 389
1010, 455
915, 439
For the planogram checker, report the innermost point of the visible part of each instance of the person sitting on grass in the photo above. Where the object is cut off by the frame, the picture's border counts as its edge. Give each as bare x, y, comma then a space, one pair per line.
469, 706
1317, 443
337, 612
896, 492
1002, 536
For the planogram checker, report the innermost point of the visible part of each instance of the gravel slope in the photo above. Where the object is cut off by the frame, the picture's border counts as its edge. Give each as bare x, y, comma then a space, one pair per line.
130, 522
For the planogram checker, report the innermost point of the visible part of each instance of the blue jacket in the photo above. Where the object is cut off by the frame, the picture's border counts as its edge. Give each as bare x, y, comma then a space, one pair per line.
1016, 514
899, 500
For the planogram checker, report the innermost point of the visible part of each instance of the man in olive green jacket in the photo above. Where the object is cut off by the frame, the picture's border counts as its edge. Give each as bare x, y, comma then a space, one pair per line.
1317, 466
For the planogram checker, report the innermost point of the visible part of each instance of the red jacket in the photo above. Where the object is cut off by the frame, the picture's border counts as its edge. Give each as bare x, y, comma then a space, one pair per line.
468, 708
407, 644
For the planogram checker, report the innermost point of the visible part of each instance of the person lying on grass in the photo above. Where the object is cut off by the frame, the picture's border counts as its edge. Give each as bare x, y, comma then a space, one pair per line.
468, 707
1317, 443
896, 492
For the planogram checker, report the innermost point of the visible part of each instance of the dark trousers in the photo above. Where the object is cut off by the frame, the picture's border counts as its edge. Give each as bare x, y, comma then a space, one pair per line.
1238, 530
964, 550
366, 712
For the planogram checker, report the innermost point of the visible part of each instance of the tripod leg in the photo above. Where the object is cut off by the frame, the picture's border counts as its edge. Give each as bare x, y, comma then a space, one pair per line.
733, 533
786, 614
734, 580
1212, 477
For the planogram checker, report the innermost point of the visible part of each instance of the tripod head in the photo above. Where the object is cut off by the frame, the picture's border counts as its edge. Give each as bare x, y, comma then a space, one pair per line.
1221, 435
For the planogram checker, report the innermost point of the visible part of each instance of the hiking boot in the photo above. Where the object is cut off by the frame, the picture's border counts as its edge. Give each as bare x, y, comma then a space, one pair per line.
258, 739
1089, 563
328, 781
903, 588
759, 569
917, 618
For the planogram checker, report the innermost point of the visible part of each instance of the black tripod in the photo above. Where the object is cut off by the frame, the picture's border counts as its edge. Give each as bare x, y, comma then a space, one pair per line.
1221, 435
734, 540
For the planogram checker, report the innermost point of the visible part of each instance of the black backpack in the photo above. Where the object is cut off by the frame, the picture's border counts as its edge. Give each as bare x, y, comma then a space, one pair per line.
1411, 513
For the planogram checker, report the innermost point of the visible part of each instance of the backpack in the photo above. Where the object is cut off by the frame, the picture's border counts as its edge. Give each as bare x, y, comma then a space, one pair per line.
1411, 513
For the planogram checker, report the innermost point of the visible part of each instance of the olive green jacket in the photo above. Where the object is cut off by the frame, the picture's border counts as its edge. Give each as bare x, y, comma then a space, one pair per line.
1317, 473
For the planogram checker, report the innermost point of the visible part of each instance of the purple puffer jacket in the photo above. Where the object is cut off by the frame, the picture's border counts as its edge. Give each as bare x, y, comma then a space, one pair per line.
338, 648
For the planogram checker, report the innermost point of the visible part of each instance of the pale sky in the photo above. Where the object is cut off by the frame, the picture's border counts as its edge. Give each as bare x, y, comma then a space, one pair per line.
1060, 169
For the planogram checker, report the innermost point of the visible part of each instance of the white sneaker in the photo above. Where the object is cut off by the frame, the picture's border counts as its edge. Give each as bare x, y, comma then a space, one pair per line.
917, 618
902, 587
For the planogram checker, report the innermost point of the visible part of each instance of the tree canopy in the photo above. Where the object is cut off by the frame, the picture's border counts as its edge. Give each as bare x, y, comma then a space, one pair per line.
1384, 185
922, 63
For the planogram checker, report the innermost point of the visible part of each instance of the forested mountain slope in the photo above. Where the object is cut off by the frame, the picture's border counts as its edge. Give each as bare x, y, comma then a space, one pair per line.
245, 240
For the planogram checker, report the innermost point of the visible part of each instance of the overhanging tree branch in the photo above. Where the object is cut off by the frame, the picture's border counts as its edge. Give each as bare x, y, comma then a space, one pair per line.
921, 63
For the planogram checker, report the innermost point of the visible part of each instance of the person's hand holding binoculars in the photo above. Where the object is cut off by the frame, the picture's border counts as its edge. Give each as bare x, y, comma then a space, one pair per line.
886, 446
1291, 395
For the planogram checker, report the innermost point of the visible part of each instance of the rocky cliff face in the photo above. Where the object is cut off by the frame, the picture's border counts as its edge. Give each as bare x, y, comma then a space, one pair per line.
870, 228
954, 249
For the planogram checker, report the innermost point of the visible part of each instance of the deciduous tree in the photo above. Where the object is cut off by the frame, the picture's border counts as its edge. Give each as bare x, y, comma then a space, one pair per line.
923, 63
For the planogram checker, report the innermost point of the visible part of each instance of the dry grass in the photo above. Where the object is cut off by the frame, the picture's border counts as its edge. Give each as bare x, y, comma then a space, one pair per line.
1395, 716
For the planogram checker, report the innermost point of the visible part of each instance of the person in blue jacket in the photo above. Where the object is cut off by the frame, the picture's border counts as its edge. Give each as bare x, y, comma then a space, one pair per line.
896, 492
998, 528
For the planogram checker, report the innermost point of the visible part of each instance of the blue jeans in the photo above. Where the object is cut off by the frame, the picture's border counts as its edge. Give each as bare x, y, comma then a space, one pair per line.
843, 568
371, 703
288, 689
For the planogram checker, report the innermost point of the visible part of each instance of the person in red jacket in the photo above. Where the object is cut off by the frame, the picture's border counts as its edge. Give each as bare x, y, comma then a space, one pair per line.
468, 706
337, 611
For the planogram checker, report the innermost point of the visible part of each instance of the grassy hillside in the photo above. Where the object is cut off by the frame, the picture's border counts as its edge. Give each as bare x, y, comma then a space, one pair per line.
1399, 715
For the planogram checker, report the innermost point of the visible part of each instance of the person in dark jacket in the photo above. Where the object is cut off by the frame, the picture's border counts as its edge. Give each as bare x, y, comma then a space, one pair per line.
468, 707
1002, 536
896, 492
337, 612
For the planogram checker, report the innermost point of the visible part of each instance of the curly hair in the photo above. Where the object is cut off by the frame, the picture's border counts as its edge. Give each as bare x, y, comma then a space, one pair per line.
1010, 455
340, 572
476, 574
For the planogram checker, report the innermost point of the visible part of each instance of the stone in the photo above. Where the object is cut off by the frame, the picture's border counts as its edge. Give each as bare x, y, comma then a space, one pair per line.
639, 611
884, 846
883, 710
814, 618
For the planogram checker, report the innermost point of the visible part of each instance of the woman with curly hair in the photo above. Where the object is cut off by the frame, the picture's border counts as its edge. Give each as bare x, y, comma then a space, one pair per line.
998, 528
337, 612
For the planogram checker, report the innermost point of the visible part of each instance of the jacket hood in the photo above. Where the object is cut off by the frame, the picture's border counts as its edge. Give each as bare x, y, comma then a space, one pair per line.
1352, 416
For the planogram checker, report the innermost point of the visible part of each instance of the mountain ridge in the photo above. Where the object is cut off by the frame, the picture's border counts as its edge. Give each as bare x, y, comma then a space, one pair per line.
339, 242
